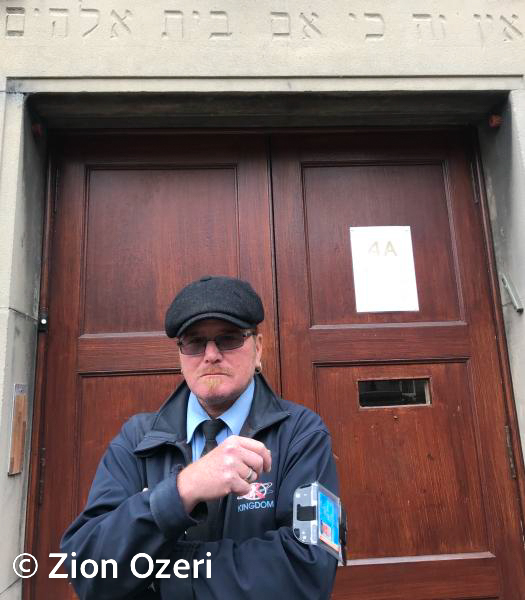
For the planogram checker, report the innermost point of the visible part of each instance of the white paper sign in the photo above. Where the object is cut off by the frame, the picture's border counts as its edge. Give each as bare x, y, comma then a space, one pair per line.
384, 274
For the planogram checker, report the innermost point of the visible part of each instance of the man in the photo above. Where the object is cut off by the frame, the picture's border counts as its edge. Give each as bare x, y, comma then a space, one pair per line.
211, 475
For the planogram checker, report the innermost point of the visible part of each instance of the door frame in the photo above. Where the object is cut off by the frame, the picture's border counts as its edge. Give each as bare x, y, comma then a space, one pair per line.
514, 448
37, 466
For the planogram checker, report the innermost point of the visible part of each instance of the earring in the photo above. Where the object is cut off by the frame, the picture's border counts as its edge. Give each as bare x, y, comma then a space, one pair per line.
258, 369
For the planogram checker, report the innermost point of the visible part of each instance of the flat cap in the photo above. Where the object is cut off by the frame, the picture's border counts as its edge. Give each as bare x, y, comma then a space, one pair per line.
225, 298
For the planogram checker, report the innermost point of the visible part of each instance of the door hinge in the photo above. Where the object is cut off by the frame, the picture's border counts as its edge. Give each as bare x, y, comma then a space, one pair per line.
43, 321
510, 452
42, 464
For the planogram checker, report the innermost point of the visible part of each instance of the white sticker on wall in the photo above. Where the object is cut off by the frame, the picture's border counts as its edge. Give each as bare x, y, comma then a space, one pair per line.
384, 273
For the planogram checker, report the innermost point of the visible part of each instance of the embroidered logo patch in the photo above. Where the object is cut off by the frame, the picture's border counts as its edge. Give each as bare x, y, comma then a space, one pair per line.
257, 491
256, 497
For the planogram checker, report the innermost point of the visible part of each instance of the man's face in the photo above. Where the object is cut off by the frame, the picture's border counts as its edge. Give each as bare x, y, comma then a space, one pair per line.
219, 378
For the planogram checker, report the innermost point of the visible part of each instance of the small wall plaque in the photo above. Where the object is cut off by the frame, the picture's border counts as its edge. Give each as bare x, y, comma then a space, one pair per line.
384, 273
18, 430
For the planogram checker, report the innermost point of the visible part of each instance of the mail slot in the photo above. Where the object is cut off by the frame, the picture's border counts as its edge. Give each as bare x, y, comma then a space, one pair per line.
393, 392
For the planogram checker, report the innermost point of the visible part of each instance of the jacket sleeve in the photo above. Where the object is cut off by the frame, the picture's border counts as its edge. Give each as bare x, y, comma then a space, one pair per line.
276, 563
119, 521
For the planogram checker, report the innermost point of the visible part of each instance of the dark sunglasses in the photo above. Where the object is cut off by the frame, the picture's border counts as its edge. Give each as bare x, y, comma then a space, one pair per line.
193, 345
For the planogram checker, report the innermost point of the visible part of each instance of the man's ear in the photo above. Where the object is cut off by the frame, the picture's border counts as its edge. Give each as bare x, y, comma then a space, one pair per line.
258, 349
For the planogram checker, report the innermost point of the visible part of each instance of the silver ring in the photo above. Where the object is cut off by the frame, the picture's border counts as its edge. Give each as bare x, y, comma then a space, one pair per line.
249, 476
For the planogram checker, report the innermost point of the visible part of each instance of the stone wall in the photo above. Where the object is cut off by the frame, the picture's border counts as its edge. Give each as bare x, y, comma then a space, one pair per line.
236, 38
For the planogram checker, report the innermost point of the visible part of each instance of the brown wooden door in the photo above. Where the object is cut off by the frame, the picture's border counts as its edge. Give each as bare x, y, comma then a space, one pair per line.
137, 217
432, 507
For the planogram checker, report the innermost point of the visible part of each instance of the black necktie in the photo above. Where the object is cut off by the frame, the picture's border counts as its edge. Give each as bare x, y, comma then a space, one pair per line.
210, 429
205, 531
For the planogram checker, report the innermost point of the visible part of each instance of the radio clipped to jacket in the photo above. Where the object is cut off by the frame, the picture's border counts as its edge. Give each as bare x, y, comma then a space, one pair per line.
319, 519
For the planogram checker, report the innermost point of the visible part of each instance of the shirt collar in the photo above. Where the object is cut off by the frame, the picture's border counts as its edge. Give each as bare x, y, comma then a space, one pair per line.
234, 417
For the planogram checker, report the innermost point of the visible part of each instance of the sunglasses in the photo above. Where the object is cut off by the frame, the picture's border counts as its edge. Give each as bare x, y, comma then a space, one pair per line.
194, 345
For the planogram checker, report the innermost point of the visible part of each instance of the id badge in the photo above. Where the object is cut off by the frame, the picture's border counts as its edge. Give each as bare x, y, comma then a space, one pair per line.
319, 519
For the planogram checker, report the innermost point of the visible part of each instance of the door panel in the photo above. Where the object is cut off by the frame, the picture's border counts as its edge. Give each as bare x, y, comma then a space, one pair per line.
104, 403
427, 579
137, 218
415, 465
422, 484
376, 194
186, 208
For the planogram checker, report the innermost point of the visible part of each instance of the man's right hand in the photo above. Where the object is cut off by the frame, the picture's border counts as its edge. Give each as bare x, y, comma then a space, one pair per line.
222, 471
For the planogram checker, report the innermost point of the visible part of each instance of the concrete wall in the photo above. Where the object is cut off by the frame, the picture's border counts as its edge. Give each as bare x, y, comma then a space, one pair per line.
21, 217
398, 48
20, 249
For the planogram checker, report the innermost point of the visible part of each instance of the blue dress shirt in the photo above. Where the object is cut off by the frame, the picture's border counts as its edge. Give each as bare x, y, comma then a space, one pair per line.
234, 418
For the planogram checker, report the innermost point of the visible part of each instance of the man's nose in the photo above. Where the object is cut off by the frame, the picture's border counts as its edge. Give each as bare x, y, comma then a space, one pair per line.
211, 352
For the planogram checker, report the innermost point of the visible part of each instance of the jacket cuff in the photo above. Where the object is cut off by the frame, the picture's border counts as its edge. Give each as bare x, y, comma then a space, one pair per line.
167, 507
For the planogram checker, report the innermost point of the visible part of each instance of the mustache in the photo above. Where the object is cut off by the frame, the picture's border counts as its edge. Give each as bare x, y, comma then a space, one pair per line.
216, 372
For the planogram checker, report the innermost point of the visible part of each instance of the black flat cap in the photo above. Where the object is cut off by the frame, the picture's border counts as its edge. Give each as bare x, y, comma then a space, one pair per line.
226, 298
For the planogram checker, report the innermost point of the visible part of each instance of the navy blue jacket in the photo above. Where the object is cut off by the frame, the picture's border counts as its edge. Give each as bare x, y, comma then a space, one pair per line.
258, 556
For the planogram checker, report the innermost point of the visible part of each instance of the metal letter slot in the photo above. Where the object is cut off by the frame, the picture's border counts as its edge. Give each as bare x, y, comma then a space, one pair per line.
393, 392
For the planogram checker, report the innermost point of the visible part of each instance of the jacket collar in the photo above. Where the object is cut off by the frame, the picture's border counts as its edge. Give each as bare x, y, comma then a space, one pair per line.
169, 423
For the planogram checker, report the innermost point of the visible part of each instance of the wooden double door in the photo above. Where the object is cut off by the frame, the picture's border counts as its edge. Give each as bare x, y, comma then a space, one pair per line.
432, 503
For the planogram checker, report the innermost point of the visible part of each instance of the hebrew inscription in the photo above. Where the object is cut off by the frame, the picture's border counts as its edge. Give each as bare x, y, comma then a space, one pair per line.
493, 27
15, 22
93, 16
120, 25
284, 25
510, 31
431, 27
319, 25
372, 25
180, 25
59, 22
173, 24
280, 24
221, 17
310, 29
377, 26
